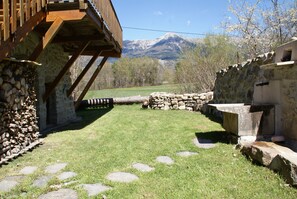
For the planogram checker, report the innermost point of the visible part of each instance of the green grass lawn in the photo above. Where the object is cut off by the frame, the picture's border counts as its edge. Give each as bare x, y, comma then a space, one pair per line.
108, 141
125, 92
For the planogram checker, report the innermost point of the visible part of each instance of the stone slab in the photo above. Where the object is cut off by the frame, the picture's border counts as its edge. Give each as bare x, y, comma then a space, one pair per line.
66, 175
55, 168
28, 170
186, 153
278, 158
42, 181
203, 143
165, 160
121, 177
7, 185
60, 194
95, 189
142, 167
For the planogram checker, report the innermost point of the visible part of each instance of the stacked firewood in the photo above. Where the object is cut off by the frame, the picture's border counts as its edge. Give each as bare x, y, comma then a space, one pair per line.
18, 122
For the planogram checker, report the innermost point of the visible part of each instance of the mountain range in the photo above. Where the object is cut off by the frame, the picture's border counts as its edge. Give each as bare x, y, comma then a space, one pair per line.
166, 48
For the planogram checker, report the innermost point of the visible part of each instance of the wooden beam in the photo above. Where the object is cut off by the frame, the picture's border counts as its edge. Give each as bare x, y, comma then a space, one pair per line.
13, 8
69, 15
6, 20
82, 74
22, 13
49, 35
97, 37
20, 34
53, 85
95, 74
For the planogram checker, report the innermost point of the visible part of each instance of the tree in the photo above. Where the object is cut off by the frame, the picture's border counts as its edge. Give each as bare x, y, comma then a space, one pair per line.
196, 70
262, 25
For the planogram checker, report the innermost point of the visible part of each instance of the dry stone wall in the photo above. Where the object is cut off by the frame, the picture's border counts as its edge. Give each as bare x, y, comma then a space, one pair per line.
18, 122
170, 101
236, 83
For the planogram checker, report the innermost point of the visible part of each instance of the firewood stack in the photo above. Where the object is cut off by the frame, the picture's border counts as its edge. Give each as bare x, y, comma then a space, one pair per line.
18, 122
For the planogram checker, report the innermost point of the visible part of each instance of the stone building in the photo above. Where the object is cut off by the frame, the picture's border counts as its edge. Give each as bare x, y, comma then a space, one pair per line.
39, 42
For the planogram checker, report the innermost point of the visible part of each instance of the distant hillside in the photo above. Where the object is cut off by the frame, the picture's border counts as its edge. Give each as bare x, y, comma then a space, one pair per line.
167, 47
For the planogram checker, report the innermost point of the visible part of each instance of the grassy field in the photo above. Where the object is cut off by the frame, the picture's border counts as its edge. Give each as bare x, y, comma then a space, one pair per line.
112, 140
125, 92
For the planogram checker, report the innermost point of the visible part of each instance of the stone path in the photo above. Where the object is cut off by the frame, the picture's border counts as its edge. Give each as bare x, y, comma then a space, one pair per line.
203, 143
165, 160
121, 177
54, 170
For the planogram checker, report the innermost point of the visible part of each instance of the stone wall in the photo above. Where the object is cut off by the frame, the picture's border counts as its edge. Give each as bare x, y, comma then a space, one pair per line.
236, 83
59, 109
170, 101
18, 122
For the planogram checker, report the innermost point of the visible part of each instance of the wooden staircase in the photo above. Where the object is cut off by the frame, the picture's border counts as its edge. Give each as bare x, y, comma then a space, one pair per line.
17, 19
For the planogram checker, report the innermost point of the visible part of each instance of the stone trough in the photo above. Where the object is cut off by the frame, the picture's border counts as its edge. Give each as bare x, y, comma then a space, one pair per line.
242, 120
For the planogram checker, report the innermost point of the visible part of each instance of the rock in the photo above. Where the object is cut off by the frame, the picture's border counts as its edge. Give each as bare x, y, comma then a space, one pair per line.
186, 153
203, 143
42, 181
7, 185
286, 166
122, 177
55, 168
66, 175
95, 189
165, 160
60, 194
28, 170
142, 167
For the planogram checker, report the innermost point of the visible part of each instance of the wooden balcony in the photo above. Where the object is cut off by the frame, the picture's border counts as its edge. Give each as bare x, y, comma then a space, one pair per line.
71, 23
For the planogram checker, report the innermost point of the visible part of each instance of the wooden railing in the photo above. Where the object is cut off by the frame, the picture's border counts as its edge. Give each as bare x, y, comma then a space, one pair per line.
14, 13
107, 12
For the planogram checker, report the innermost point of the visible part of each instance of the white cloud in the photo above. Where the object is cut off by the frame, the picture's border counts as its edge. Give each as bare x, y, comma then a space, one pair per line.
188, 23
158, 13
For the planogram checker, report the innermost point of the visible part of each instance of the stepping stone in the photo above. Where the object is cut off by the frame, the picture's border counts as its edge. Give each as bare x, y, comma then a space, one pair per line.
186, 153
55, 168
66, 175
60, 194
203, 143
165, 160
42, 181
121, 177
28, 170
95, 189
142, 167
7, 185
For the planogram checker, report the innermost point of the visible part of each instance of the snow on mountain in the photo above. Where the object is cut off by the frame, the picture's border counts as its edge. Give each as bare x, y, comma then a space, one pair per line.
167, 47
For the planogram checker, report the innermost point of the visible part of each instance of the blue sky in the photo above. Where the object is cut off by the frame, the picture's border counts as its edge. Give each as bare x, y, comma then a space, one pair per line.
197, 16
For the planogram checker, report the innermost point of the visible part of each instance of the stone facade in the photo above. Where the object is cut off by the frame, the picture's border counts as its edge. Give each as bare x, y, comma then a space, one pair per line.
18, 122
59, 108
170, 101
261, 81
236, 83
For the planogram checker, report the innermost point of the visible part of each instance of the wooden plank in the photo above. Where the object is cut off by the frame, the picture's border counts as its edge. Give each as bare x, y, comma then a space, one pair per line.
82, 74
49, 35
68, 15
13, 8
33, 7
38, 5
96, 37
92, 79
22, 13
28, 5
53, 85
20, 34
43, 3
6, 20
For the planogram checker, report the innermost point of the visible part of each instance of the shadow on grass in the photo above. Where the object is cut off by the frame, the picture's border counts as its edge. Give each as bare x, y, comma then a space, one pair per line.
87, 116
213, 137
